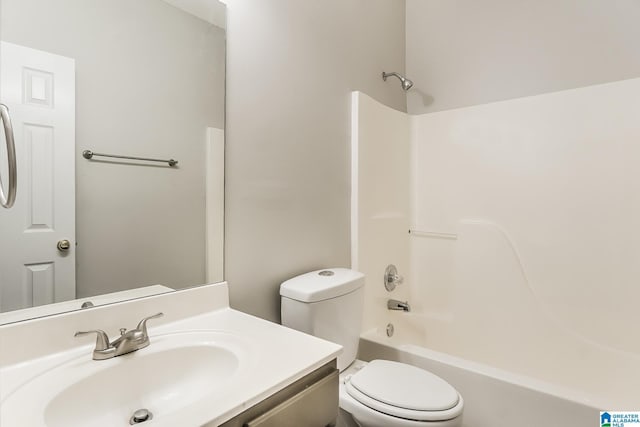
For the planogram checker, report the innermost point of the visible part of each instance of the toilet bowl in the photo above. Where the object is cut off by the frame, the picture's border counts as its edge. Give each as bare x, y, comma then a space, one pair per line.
383, 393
329, 304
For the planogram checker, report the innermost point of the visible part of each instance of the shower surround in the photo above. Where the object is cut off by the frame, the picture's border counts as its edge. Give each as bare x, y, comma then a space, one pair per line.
524, 248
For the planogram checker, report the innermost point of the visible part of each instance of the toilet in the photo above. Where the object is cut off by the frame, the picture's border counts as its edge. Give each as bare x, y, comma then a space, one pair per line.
382, 393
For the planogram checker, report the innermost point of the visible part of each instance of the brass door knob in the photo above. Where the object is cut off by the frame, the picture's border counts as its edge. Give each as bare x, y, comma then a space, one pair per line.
64, 245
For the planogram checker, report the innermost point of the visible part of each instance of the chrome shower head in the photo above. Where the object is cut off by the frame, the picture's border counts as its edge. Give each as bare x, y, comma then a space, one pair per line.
406, 83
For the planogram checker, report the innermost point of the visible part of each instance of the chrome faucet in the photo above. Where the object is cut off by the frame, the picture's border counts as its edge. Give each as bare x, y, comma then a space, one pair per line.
127, 342
392, 278
394, 304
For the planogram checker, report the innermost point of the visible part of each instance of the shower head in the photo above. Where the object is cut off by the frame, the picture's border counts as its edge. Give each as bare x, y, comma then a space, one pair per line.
406, 83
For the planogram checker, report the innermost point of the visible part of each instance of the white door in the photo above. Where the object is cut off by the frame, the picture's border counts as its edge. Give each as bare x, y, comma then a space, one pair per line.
39, 90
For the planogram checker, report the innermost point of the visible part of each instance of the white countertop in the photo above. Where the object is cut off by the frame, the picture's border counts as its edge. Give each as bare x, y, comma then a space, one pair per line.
276, 356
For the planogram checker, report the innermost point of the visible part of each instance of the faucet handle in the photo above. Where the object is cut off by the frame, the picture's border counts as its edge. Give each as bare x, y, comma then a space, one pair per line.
142, 326
102, 339
392, 278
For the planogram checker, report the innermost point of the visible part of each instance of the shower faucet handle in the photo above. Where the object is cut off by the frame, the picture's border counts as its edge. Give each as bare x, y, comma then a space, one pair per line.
392, 278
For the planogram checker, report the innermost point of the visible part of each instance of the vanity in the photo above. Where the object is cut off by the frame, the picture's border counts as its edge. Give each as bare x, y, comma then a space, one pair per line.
206, 365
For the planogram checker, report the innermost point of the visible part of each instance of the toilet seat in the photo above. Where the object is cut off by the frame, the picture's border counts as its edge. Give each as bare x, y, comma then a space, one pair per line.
404, 391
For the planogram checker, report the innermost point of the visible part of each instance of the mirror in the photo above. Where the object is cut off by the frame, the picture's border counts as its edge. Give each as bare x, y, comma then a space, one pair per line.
140, 78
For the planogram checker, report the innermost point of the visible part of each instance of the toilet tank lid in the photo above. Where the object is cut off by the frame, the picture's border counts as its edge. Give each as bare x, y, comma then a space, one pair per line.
321, 285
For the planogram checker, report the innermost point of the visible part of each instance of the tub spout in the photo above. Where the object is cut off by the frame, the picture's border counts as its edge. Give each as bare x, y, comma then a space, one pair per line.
393, 304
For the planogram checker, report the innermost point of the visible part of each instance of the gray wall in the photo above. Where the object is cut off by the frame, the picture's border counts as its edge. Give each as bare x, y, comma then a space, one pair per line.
291, 67
468, 52
150, 79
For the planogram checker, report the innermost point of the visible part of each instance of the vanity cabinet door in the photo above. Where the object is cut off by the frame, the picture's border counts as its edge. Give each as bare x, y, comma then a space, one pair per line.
312, 401
314, 406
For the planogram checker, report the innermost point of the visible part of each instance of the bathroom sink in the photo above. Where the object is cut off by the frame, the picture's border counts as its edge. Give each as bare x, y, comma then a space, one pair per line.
176, 371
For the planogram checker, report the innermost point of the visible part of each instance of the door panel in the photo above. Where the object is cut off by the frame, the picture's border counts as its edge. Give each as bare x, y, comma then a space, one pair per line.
39, 89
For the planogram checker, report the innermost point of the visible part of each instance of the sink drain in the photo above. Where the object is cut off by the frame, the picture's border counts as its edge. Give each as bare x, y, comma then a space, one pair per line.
140, 416
390, 330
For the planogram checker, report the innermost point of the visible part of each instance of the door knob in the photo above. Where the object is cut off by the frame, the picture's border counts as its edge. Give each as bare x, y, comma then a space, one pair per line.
64, 245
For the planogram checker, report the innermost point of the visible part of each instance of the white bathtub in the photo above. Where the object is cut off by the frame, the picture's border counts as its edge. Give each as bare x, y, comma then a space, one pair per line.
493, 397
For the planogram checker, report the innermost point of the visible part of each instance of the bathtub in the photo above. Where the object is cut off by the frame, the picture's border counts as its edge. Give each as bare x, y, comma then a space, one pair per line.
493, 397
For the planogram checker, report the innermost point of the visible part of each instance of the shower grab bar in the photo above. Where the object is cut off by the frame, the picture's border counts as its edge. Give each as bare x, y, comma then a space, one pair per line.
433, 234
88, 154
7, 199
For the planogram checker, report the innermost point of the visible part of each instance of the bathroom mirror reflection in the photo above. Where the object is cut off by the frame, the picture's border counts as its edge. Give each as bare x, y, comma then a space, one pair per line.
140, 78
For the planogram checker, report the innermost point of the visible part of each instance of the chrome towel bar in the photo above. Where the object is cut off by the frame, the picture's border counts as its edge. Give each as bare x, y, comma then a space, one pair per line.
7, 200
88, 154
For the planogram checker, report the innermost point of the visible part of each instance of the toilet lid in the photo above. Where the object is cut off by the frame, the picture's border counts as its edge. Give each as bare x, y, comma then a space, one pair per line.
404, 391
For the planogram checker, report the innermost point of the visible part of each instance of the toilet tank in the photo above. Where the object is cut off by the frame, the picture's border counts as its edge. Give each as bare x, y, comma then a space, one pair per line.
327, 304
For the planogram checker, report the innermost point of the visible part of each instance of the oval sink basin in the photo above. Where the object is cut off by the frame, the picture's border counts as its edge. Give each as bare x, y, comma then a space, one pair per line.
174, 372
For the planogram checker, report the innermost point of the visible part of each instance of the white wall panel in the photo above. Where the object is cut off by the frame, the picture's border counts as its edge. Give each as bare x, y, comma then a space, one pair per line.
543, 193
379, 201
